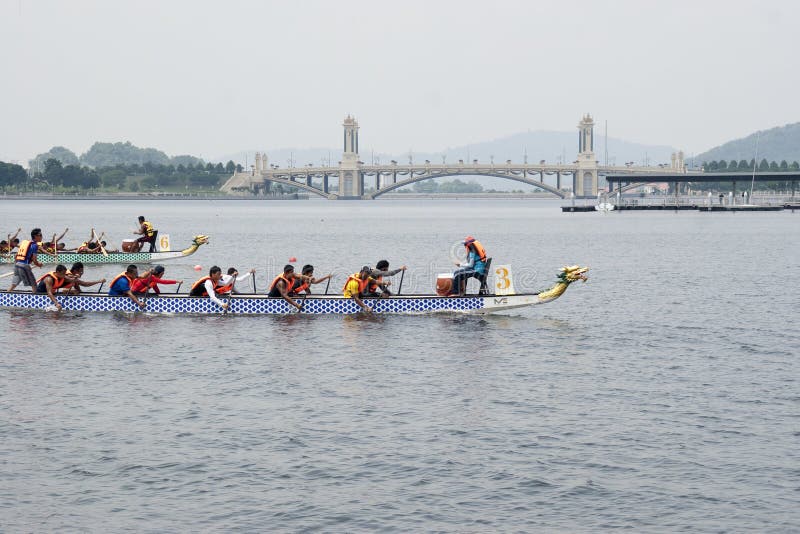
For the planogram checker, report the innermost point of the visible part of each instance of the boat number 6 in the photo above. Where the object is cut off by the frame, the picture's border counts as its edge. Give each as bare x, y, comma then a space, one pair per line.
502, 278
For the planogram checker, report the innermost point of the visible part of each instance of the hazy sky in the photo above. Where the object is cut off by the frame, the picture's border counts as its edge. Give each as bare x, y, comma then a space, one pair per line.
211, 78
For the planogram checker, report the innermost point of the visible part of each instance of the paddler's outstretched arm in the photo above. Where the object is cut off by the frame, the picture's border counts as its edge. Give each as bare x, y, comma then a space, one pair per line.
48, 283
134, 299
209, 286
285, 294
360, 302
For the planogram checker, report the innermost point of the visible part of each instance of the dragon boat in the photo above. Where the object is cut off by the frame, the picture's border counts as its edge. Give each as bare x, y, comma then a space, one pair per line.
68, 258
312, 304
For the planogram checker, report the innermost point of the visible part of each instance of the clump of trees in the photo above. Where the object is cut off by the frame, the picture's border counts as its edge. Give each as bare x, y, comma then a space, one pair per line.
110, 155
54, 175
747, 166
455, 186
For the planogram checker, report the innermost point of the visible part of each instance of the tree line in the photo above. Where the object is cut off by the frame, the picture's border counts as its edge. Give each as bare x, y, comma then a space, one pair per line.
747, 166
53, 174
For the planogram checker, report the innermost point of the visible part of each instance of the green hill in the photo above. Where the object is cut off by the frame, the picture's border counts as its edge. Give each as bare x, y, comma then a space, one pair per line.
776, 144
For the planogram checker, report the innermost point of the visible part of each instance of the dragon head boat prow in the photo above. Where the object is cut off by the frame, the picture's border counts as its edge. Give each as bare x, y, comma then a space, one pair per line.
196, 242
566, 275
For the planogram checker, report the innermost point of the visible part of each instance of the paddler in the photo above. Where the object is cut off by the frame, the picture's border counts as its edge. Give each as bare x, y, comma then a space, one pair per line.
377, 287
74, 282
356, 285
475, 266
233, 273
148, 234
304, 283
7, 245
150, 281
210, 286
51, 282
121, 285
283, 284
26, 255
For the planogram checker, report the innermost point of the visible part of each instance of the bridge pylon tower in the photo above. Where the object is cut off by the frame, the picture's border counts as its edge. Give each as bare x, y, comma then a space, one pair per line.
584, 181
351, 179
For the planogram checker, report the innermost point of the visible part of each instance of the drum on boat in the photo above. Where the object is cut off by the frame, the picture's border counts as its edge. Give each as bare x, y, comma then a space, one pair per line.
444, 282
128, 245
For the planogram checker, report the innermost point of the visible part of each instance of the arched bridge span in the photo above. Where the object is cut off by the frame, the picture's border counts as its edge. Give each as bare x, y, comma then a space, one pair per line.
430, 176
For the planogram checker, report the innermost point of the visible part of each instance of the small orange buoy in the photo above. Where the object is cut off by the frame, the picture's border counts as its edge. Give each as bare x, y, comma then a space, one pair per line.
292, 259
198, 267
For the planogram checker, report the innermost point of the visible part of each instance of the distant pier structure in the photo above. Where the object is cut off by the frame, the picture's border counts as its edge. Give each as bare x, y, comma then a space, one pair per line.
351, 178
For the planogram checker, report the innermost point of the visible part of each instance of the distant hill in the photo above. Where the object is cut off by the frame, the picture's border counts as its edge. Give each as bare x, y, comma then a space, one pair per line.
776, 144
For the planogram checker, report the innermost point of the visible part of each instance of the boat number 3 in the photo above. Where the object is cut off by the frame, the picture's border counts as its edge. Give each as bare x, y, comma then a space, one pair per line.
503, 281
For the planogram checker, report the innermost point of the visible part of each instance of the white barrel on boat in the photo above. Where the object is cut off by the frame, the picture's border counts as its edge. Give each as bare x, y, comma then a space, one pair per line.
128, 245
444, 282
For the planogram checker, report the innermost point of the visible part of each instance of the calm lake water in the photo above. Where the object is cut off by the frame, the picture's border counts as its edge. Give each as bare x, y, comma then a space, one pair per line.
662, 395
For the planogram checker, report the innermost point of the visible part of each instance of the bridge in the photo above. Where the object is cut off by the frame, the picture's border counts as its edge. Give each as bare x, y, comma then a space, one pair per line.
354, 179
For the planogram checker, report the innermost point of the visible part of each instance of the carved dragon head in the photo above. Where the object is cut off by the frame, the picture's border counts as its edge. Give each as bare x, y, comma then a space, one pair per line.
572, 273
200, 240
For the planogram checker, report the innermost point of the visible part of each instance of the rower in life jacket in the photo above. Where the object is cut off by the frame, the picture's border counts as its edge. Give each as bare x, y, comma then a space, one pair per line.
209, 286
306, 280
282, 286
377, 287
58, 279
121, 285
356, 285
50, 282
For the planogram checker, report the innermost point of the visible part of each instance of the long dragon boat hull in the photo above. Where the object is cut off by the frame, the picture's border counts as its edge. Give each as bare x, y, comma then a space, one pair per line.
262, 305
124, 258
316, 305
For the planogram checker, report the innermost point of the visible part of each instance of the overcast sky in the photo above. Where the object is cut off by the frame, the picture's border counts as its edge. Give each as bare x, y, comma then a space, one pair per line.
211, 78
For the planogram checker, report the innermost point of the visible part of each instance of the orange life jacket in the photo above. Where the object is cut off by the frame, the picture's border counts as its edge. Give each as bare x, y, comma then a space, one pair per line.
300, 285
68, 284
57, 282
374, 283
479, 249
22, 251
273, 286
114, 281
198, 289
362, 284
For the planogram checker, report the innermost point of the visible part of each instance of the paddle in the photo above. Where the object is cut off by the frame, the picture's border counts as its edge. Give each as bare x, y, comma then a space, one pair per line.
53, 244
99, 244
328, 284
402, 274
179, 287
302, 303
254, 284
230, 296
101, 287
6, 274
